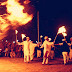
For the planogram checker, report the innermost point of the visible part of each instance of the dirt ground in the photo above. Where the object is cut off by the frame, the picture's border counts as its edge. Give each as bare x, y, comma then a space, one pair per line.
17, 65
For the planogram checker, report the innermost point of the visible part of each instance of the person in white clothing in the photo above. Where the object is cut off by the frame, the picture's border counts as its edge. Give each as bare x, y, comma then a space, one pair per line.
47, 48
32, 47
25, 48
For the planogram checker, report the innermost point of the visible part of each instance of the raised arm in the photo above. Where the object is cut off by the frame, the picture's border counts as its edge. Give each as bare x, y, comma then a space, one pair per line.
42, 46
19, 43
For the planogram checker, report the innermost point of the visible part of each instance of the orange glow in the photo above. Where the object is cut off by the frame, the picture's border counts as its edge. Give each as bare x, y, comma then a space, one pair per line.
14, 17
26, 1
41, 36
16, 13
61, 30
4, 27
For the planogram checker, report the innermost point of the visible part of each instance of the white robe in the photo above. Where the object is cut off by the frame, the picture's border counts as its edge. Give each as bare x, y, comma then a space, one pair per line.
47, 46
25, 47
32, 47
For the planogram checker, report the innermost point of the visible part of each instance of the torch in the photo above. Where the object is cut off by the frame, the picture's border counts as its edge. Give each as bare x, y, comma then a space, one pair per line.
49, 39
23, 36
64, 34
16, 34
61, 30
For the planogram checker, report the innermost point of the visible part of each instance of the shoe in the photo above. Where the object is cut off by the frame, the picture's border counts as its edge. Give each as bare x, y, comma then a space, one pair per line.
47, 63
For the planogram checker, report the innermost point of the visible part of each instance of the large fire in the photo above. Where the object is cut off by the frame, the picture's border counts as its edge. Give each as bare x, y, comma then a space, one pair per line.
14, 17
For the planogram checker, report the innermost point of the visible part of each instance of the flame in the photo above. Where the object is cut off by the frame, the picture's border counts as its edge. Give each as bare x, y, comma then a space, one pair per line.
61, 30
16, 31
64, 34
49, 39
26, 1
14, 17
41, 36
23, 35
16, 13
4, 27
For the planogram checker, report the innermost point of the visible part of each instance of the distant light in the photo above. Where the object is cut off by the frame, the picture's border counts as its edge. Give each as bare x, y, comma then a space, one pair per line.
13, 41
36, 42
17, 40
6, 40
2, 40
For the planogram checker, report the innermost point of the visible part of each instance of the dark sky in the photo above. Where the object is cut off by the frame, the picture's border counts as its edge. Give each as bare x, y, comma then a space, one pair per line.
54, 14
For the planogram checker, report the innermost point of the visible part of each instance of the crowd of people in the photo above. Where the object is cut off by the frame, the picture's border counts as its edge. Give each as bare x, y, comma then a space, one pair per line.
12, 50
28, 50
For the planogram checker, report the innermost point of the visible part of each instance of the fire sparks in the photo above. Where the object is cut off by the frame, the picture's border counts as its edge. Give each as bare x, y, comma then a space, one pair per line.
14, 17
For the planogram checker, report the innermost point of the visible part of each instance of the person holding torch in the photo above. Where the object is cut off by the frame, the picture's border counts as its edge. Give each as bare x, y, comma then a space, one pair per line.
26, 49
65, 51
47, 48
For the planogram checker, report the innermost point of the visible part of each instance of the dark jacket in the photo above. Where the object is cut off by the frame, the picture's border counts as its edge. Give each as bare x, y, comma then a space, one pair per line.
65, 47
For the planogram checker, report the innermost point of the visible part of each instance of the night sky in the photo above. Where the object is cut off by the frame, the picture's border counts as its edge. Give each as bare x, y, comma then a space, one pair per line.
52, 15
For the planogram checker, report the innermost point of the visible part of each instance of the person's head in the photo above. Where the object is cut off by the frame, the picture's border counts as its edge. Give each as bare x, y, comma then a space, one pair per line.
27, 38
46, 38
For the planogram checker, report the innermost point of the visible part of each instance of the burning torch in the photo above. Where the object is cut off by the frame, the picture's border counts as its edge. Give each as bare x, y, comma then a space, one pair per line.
61, 30
16, 34
23, 36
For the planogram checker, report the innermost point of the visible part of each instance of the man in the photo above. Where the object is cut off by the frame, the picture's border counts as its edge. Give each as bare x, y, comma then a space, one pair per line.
47, 48
65, 51
26, 49
32, 47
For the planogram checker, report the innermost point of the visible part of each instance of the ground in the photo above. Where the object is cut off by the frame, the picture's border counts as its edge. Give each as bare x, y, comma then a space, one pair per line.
17, 65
